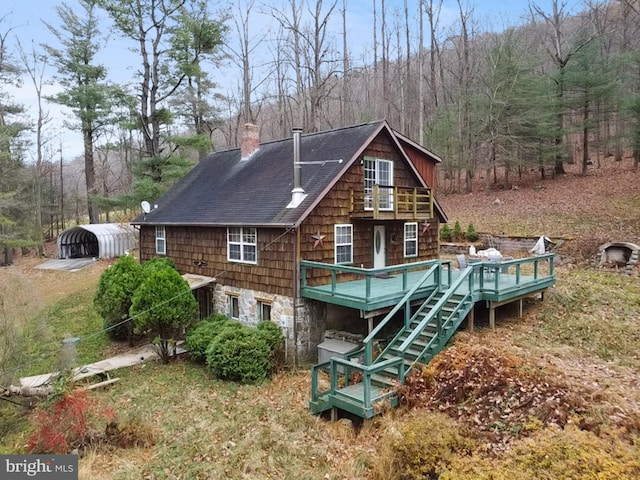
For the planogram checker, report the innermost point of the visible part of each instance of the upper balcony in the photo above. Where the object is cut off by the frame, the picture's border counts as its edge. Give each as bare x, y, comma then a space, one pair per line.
381, 202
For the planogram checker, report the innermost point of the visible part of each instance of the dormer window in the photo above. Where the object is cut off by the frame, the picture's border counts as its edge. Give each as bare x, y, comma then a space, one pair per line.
378, 171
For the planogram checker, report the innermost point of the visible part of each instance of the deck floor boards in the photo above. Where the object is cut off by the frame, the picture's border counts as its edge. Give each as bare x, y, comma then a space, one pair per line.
388, 290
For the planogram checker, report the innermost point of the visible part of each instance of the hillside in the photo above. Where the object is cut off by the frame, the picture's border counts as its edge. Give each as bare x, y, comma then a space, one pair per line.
555, 394
583, 211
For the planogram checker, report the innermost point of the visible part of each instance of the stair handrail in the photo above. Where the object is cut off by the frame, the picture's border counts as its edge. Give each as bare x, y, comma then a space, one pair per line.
436, 338
367, 372
435, 309
407, 323
368, 354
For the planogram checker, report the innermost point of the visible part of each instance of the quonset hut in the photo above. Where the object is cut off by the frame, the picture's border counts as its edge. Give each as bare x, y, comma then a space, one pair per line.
100, 240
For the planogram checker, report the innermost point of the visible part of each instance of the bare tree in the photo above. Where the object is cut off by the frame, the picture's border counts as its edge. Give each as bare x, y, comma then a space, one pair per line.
243, 54
148, 23
36, 66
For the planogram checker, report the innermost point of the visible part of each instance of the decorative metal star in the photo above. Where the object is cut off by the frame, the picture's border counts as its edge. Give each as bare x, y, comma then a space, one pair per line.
425, 227
318, 237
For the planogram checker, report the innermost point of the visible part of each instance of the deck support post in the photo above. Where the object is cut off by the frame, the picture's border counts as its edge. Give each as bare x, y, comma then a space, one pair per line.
520, 312
492, 316
470, 320
370, 323
334, 414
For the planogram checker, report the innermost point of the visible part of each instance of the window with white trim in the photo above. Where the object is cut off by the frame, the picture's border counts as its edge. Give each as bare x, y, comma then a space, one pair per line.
242, 244
233, 307
343, 235
378, 171
411, 239
264, 311
161, 240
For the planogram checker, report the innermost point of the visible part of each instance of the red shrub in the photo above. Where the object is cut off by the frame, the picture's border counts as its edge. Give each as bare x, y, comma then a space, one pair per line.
66, 424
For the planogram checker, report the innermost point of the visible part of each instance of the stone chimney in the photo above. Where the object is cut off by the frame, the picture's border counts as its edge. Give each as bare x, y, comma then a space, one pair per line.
249, 140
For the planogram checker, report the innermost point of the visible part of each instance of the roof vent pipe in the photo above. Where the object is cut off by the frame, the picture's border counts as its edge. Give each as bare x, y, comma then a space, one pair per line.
297, 194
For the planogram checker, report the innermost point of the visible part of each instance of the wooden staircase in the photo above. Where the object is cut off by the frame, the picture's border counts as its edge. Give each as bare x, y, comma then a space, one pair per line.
364, 385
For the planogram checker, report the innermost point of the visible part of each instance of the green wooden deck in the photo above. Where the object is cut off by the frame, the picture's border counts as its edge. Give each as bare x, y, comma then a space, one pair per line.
435, 299
374, 289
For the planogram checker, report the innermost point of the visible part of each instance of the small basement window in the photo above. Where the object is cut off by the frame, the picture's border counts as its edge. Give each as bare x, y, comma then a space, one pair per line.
233, 306
264, 311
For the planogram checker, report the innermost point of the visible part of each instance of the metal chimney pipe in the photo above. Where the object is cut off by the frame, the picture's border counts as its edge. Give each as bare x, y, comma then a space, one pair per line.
297, 168
297, 194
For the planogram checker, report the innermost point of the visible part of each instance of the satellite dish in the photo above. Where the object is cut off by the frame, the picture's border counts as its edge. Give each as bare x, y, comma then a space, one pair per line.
146, 206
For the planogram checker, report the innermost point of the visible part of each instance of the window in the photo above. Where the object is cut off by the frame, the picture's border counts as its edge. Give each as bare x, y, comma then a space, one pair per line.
161, 240
378, 172
234, 306
264, 311
410, 239
242, 245
343, 243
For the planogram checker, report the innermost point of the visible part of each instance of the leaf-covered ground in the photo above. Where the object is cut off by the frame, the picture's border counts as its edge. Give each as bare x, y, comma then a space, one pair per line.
603, 204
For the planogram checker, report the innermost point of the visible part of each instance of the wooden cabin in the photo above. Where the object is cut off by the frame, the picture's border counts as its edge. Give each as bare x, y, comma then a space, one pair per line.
241, 223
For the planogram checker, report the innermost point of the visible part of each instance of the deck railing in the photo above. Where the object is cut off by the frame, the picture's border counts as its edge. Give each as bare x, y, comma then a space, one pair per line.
384, 201
498, 277
445, 326
339, 368
432, 275
369, 275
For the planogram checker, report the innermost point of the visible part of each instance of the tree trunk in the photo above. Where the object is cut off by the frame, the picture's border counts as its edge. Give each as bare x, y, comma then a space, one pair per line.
90, 175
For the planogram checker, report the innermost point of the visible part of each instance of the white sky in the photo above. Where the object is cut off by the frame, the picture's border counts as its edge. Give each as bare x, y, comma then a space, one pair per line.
25, 18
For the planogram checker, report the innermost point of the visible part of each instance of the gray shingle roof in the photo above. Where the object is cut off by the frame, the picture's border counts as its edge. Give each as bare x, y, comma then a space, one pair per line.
225, 190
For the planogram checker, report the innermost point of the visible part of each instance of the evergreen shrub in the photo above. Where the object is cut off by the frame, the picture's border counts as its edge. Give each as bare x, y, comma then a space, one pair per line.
272, 334
239, 354
445, 233
202, 333
457, 231
113, 297
471, 234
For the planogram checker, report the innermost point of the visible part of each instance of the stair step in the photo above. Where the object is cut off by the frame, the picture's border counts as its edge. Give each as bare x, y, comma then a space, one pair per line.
382, 380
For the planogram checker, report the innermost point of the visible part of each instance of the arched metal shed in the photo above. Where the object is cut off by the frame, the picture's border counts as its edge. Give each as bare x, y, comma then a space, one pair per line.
99, 240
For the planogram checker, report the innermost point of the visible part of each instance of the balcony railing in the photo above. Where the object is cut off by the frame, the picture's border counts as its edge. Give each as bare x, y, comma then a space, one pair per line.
382, 202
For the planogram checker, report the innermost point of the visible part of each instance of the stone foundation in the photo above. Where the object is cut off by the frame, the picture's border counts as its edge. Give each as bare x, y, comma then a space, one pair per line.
310, 325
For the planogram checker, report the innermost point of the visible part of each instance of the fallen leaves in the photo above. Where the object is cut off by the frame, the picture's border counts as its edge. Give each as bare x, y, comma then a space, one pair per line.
493, 391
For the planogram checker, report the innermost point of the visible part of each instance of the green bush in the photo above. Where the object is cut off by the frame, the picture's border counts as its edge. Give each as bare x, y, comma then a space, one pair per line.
201, 334
157, 263
239, 354
471, 234
272, 334
113, 297
457, 231
162, 306
445, 233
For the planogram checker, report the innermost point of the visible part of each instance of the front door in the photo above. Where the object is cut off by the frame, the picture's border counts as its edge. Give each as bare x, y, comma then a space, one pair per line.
379, 247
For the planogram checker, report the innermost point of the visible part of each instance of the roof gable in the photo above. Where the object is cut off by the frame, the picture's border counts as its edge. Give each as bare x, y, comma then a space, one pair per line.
227, 190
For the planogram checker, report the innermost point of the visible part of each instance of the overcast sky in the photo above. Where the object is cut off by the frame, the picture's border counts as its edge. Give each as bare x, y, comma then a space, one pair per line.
25, 16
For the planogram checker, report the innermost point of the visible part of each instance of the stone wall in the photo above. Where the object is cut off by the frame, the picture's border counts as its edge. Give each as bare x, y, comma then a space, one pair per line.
310, 325
502, 243
311, 317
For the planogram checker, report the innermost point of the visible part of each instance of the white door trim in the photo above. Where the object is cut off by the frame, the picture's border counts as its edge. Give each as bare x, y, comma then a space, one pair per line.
379, 247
